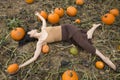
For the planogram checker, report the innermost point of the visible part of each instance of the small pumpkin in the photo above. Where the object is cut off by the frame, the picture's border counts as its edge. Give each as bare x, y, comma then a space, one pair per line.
43, 14
69, 75
108, 19
13, 68
29, 1
73, 50
17, 33
45, 49
53, 18
114, 11
79, 2
59, 11
71, 11
99, 65
77, 21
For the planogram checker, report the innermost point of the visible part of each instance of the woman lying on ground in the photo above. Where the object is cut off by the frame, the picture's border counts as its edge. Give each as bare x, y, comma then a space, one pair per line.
65, 32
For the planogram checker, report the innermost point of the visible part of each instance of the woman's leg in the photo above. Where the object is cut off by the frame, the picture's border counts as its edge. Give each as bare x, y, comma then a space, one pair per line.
91, 31
83, 43
105, 59
97, 52
79, 40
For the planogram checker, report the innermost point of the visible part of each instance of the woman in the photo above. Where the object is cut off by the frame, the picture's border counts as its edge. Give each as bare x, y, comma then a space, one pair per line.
66, 32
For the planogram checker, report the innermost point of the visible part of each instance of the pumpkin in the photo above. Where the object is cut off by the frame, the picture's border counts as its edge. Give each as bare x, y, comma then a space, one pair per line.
59, 11
79, 2
43, 14
53, 18
77, 21
29, 1
73, 50
71, 11
108, 19
45, 49
13, 68
17, 33
99, 65
69, 75
114, 11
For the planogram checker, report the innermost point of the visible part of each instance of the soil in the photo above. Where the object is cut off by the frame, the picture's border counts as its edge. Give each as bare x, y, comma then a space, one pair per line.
17, 13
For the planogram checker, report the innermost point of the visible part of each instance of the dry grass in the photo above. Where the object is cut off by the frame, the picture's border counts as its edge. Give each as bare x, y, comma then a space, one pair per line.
52, 65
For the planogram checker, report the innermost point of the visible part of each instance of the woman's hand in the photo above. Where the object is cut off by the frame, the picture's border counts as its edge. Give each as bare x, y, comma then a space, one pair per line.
36, 13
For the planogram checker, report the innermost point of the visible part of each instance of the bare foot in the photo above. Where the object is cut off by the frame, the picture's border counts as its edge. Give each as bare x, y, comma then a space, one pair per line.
36, 13
96, 25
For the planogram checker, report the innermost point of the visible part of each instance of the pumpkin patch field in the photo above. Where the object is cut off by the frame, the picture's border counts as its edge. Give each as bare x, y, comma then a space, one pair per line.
55, 61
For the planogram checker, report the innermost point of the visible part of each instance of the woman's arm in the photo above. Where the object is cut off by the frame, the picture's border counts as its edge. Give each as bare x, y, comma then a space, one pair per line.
43, 34
41, 37
36, 55
43, 20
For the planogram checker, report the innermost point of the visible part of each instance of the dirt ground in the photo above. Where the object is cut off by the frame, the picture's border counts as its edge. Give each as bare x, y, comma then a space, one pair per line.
51, 66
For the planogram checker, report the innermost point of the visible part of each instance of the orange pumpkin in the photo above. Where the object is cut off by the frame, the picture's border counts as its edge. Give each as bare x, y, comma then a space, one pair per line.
108, 19
45, 49
13, 68
53, 18
79, 2
59, 11
77, 21
43, 14
99, 65
114, 11
29, 1
69, 75
17, 33
71, 11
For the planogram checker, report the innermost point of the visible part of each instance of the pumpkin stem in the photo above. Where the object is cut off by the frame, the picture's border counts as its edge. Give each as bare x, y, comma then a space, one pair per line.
71, 75
52, 11
15, 29
105, 16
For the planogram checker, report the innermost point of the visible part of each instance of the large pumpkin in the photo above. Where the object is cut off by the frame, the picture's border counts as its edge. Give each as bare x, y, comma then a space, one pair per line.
69, 75
108, 18
71, 11
53, 18
59, 11
17, 33
43, 14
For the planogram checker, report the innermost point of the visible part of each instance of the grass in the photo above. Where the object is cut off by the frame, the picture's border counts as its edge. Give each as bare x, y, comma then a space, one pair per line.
52, 65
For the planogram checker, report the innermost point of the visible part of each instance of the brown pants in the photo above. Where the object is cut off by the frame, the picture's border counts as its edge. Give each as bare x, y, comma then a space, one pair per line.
78, 37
